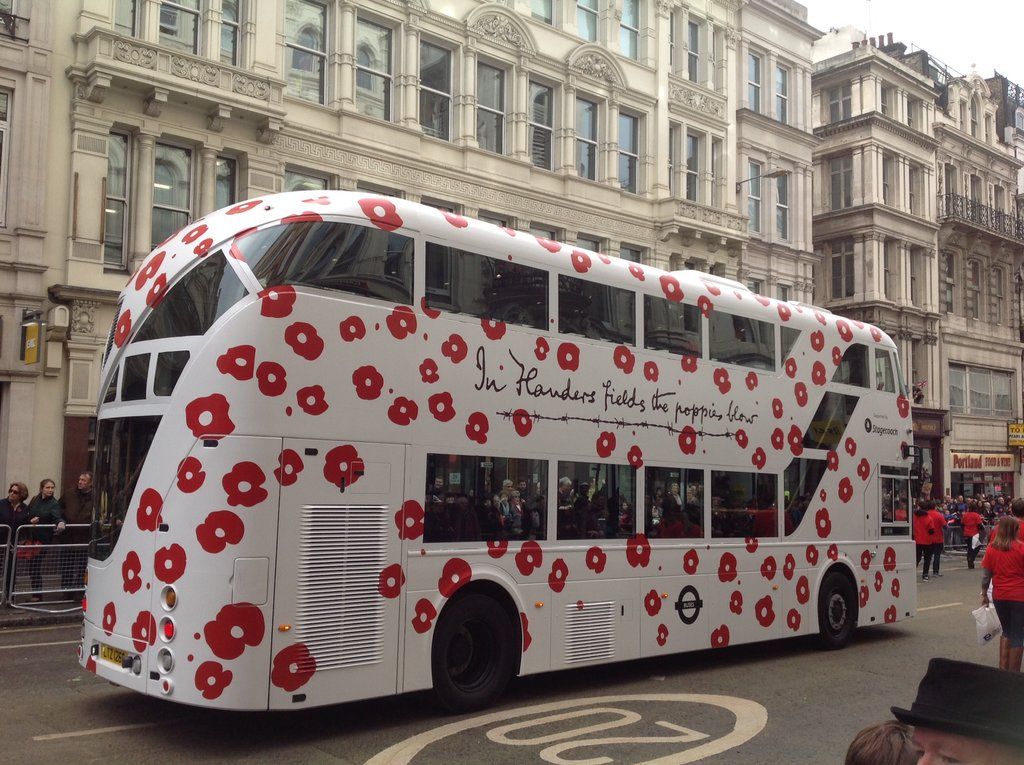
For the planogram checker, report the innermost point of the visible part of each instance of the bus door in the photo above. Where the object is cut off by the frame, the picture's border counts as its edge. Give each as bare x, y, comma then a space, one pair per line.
335, 635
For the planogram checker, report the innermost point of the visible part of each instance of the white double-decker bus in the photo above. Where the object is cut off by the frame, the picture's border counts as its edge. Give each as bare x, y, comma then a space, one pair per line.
351, 446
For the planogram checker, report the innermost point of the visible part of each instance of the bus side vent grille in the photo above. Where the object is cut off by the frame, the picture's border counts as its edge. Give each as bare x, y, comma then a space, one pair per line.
113, 328
590, 631
340, 611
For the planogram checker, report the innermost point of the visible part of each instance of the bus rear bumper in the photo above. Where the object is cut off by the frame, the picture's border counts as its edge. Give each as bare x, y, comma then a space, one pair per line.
113, 657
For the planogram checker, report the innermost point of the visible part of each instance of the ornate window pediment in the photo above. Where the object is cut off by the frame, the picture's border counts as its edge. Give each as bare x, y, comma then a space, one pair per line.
591, 60
494, 23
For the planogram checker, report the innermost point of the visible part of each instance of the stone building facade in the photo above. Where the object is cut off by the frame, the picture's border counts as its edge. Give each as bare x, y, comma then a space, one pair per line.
626, 127
915, 221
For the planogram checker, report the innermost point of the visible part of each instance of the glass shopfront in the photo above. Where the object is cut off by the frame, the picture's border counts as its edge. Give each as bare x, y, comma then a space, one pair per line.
974, 474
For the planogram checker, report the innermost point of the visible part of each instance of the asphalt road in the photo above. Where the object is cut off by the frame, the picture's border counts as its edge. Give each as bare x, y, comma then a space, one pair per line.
780, 702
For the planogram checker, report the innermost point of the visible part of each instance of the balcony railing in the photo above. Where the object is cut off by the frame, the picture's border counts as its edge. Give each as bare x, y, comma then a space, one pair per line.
981, 215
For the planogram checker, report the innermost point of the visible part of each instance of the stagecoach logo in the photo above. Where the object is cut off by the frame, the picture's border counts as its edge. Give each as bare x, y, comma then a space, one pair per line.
592, 730
870, 427
688, 604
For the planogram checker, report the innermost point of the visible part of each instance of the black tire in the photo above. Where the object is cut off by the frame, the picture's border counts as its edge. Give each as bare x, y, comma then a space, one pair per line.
472, 656
837, 611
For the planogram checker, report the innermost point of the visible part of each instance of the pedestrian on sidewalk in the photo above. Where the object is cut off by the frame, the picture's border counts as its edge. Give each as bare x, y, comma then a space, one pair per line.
1017, 508
14, 514
76, 509
1004, 569
44, 516
884, 743
924, 535
939, 521
972, 523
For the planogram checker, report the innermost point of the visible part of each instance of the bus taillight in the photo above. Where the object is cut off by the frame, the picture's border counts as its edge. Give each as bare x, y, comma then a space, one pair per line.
169, 598
167, 629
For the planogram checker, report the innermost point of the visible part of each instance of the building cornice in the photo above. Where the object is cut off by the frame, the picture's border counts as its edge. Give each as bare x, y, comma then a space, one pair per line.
877, 118
993, 154
67, 293
769, 125
773, 9
863, 58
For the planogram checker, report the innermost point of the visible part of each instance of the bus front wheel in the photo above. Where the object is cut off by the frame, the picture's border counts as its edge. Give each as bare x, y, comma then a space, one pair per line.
837, 610
472, 654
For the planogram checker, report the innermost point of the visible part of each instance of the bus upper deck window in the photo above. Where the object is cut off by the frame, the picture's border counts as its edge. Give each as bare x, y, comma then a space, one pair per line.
885, 376
853, 369
362, 260
672, 327
737, 339
595, 310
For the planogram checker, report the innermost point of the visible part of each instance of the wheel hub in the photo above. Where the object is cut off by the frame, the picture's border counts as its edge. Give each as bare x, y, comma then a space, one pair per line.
836, 611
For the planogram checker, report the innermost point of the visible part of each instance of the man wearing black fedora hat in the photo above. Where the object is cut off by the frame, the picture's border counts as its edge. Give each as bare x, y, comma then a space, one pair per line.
967, 714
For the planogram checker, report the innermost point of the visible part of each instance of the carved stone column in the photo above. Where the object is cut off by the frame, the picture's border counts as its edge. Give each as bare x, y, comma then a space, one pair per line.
408, 81
520, 112
207, 181
346, 58
145, 145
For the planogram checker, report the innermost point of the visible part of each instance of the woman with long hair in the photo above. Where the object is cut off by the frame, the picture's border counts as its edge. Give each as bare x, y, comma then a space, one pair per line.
1004, 568
43, 511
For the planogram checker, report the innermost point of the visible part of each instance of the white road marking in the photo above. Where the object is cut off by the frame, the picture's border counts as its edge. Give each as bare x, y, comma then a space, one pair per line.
97, 731
39, 629
944, 605
751, 719
38, 645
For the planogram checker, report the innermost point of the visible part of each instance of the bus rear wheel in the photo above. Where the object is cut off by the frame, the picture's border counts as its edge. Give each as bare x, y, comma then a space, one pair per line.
472, 654
837, 611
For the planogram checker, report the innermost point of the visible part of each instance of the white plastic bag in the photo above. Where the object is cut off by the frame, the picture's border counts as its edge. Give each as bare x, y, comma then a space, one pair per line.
976, 541
987, 622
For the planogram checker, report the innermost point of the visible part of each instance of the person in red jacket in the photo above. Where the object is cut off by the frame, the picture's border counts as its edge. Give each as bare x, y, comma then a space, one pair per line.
972, 523
939, 521
1017, 508
924, 534
1004, 569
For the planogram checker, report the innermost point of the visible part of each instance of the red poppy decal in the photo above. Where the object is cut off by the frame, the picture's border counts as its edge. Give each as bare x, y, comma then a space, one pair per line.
493, 329
211, 679
109, 618
149, 270
690, 562
636, 271
818, 376
688, 363
352, 329
409, 520
368, 382
530, 558
751, 544
778, 438
784, 312
736, 602
652, 603
688, 440
131, 573
456, 573
157, 291
889, 615
865, 560
889, 559
720, 636
456, 220
844, 330
793, 619
903, 406
390, 582
864, 595
423, 618
208, 416
568, 357
522, 422
845, 490
759, 458
428, 372
403, 411
476, 427
764, 609
238, 362
605, 444
144, 631
768, 568
220, 529
236, 626
271, 378
751, 380
705, 305
343, 464
721, 378
289, 465
454, 348
293, 666
832, 460
638, 551
147, 515
789, 566
596, 559
624, 359
822, 523
441, 406
244, 207
169, 563
796, 441
662, 637
670, 286
497, 548
879, 581
123, 329
527, 638
777, 408
791, 367
741, 438
559, 573
876, 334
304, 340
837, 356
548, 245
895, 588
635, 457
817, 340
311, 400
401, 322
803, 590
832, 552
542, 349
650, 371
727, 567
194, 234
277, 302
381, 212
243, 485
580, 261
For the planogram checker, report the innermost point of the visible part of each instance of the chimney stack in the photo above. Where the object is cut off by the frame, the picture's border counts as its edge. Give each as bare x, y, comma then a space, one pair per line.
888, 39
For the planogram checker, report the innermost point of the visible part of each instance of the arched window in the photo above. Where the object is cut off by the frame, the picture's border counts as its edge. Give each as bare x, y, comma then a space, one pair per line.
974, 117
972, 294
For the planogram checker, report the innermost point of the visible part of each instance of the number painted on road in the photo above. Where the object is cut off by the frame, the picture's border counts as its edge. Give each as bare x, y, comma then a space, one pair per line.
751, 719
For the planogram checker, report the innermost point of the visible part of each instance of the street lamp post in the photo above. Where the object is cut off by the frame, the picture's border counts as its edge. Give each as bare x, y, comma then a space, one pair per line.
773, 174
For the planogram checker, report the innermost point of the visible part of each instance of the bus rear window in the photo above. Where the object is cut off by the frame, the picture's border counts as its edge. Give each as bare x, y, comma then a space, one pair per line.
195, 302
329, 255
478, 285
122, 444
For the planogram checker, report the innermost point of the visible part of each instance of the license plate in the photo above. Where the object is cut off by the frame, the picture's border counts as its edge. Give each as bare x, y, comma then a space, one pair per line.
111, 654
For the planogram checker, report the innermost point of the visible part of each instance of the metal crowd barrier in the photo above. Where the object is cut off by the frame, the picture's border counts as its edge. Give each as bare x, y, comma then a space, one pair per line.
46, 576
5, 543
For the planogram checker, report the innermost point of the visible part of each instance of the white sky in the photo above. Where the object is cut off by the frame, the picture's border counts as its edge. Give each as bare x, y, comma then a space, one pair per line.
986, 33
